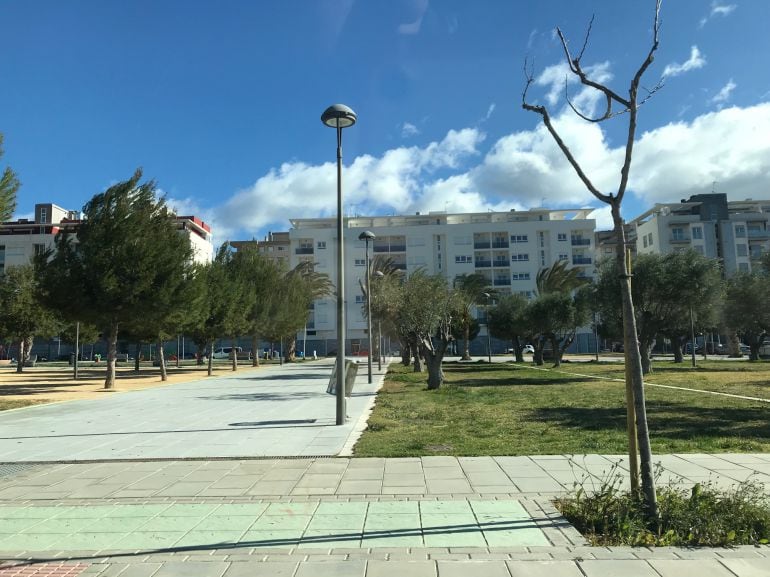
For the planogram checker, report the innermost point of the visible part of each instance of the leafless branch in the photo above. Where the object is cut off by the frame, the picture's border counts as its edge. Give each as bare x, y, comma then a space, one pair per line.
585, 40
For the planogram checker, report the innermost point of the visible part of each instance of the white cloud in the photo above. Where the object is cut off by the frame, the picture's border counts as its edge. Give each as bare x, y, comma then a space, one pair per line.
413, 27
556, 75
696, 60
408, 129
392, 182
724, 93
603, 217
718, 9
490, 110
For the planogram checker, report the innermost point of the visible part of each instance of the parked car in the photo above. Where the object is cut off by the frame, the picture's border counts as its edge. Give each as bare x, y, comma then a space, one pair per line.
527, 349
226, 352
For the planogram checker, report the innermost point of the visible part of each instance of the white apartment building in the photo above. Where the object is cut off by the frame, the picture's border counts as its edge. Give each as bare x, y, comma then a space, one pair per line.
735, 232
22, 239
508, 248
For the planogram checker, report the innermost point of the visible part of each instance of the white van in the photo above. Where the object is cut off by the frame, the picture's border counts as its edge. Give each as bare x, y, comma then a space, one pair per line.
226, 352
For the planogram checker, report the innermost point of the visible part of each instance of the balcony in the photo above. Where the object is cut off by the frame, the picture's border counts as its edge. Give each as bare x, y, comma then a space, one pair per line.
501, 262
758, 233
304, 250
679, 239
500, 244
581, 260
581, 241
481, 244
502, 281
483, 263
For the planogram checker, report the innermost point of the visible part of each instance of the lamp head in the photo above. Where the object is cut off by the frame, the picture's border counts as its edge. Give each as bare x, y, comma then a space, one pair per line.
338, 116
367, 235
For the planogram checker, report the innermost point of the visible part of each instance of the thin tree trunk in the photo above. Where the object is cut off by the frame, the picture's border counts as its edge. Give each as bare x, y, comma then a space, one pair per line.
234, 352
416, 354
466, 343
556, 351
254, 351
633, 361
112, 352
291, 349
434, 359
519, 355
20, 360
137, 353
162, 361
211, 358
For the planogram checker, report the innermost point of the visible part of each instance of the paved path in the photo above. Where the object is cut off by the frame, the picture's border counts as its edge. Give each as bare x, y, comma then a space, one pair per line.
270, 411
181, 506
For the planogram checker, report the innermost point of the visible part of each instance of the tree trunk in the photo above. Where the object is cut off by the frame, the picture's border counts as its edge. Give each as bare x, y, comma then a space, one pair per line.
254, 351
435, 372
20, 360
645, 350
211, 358
518, 354
556, 351
199, 354
676, 345
234, 352
162, 361
733, 343
137, 353
633, 362
416, 353
112, 352
291, 349
28, 342
466, 343
406, 357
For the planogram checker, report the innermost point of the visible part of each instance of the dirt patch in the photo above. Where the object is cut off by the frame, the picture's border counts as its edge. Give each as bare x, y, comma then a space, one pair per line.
46, 385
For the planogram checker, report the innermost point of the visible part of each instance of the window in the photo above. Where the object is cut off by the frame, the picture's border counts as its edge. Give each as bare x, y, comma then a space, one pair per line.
677, 233
563, 256
740, 231
562, 237
697, 232
39, 249
463, 258
360, 299
743, 266
520, 276
741, 250
520, 257
644, 241
649, 236
519, 238
321, 244
43, 214
360, 262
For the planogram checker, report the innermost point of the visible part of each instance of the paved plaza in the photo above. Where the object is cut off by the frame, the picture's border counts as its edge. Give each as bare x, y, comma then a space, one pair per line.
174, 509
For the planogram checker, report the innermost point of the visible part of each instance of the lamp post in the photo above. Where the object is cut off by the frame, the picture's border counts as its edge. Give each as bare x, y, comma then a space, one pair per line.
366, 236
339, 116
489, 342
380, 275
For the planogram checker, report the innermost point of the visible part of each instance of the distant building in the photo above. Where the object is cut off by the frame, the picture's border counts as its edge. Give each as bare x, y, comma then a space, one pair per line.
507, 248
276, 247
22, 239
735, 232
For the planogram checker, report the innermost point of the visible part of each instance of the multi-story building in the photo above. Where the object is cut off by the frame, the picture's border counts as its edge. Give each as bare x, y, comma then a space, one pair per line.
736, 232
508, 248
22, 239
276, 247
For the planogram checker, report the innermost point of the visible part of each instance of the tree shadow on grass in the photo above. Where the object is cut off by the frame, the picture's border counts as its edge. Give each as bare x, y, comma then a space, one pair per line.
521, 381
667, 420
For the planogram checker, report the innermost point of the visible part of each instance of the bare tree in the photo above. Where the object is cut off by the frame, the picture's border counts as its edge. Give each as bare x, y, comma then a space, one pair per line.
629, 106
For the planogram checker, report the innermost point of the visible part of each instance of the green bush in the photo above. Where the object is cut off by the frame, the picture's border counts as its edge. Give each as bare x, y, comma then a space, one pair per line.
704, 515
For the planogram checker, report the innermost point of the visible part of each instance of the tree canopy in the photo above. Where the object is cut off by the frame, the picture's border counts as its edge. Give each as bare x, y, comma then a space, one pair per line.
9, 185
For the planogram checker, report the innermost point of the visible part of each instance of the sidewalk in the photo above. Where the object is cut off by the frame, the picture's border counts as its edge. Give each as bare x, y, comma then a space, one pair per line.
413, 517
224, 477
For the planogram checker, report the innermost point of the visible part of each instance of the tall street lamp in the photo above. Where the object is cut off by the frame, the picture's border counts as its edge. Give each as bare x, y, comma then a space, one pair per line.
489, 342
366, 236
340, 116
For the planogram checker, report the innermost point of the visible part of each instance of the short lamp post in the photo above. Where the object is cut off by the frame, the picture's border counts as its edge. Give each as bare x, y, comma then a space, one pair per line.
366, 236
487, 296
339, 116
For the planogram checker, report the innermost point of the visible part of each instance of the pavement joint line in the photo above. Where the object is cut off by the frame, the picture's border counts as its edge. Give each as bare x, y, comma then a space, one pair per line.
654, 385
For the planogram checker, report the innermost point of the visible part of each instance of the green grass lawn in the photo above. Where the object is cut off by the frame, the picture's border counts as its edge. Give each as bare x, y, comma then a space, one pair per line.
509, 409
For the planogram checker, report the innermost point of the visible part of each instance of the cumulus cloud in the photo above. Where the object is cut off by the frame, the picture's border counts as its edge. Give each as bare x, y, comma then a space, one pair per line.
718, 9
408, 129
556, 76
724, 93
696, 60
392, 182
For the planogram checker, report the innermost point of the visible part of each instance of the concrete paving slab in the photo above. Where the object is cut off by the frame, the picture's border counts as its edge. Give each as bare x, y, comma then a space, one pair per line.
689, 568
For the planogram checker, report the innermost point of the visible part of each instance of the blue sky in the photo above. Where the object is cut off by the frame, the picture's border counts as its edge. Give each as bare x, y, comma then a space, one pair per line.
220, 103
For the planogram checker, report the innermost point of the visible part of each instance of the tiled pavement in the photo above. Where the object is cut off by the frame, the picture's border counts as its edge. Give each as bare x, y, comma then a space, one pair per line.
419, 517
